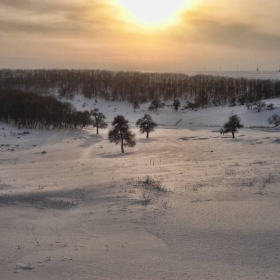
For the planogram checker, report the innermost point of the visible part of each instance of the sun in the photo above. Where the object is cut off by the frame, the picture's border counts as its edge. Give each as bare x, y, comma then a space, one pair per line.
152, 12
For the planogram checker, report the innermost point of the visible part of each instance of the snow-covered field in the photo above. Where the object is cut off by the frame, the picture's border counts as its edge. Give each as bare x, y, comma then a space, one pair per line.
72, 207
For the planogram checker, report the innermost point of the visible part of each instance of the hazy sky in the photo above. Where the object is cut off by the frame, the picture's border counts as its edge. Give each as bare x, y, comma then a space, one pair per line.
119, 34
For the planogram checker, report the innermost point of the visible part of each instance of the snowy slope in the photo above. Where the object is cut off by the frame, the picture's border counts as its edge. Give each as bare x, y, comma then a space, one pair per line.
71, 206
212, 116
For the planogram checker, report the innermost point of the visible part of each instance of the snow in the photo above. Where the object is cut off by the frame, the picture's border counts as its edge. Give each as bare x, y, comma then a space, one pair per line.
212, 116
77, 212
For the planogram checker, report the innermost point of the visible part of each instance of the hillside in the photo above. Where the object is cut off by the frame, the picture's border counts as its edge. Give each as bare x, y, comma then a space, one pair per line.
167, 116
74, 207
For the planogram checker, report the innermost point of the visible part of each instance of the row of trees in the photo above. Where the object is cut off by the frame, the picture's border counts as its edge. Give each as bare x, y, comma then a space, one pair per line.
259, 105
156, 103
138, 87
31, 110
120, 132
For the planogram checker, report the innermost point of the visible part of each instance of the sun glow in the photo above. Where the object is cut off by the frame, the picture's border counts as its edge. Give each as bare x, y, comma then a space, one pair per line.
153, 12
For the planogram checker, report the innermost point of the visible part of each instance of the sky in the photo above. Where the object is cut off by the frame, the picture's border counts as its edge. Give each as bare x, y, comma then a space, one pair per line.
140, 35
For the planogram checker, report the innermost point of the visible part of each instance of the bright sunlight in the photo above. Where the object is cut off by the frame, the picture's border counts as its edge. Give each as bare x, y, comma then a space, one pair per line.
153, 12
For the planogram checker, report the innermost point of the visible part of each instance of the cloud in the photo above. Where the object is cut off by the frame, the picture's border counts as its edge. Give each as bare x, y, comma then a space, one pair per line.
237, 35
35, 27
92, 32
103, 19
203, 28
30, 16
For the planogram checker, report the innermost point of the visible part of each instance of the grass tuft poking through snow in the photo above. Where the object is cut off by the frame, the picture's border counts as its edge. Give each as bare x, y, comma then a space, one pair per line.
151, 184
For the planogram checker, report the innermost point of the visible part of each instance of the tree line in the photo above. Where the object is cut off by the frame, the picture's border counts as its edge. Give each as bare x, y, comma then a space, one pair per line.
203, 90
31, 110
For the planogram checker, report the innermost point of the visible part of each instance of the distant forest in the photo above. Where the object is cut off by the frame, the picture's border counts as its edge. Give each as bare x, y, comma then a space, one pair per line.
205, 90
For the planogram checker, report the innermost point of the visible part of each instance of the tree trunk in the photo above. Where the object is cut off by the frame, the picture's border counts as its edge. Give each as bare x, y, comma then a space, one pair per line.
122, 145
232, 134
97, 129
147, 134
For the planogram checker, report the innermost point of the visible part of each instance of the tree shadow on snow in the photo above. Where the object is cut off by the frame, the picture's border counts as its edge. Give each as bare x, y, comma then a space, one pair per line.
92, 140
117, 155
95, 136
44, 199
145, 140
277, 141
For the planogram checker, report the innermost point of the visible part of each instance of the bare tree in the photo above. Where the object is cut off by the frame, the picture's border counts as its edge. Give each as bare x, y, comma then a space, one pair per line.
146, 124
155, 105
249, 105
176, 104
120, 133
259, 105
135, 104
